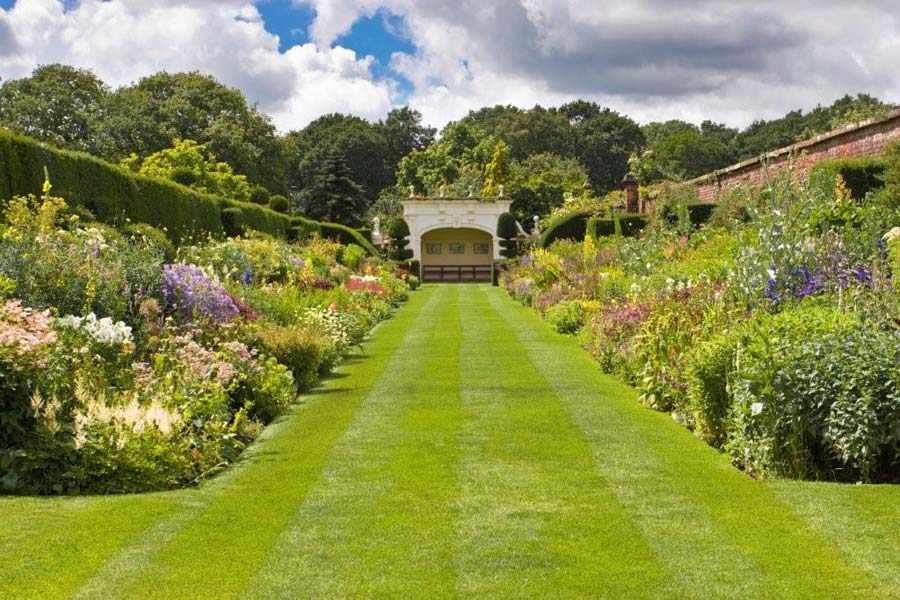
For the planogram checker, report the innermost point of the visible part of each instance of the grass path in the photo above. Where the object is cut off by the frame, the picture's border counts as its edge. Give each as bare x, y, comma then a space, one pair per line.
467, 452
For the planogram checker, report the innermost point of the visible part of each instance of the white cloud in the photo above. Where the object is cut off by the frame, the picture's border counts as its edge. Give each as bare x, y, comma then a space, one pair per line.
123, 40
652, 59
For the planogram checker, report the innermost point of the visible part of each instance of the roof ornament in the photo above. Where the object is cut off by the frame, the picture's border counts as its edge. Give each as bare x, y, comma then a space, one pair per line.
442, 191
502, 191
412, 191
471, 191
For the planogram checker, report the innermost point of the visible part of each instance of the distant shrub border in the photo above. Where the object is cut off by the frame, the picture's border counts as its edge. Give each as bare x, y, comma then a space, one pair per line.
572, 227
862, 175
114, 194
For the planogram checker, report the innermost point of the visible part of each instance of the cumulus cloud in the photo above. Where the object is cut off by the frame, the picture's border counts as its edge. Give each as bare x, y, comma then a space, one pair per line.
123, 40
654, 59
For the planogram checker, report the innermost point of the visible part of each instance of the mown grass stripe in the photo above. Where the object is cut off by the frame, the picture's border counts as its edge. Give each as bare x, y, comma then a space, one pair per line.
381, 519
537, 519
217, 550
862, 520
722, 533
71, 541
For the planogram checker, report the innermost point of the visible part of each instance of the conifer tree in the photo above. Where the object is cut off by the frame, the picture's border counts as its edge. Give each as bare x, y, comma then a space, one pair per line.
332, 195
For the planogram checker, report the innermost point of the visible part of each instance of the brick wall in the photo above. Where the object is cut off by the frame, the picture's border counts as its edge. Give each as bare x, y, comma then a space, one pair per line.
862, 139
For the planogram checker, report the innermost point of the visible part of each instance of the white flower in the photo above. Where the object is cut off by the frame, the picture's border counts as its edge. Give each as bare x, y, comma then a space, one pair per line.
756, 408
103, 331
891, 235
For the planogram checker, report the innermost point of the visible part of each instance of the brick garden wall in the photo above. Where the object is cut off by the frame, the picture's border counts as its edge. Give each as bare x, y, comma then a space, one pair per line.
862, 139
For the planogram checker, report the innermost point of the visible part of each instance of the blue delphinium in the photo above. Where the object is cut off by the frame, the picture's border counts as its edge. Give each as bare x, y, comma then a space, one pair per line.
190, 292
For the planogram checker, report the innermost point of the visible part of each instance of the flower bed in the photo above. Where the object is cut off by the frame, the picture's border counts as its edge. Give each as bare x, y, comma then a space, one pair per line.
123, 368
775, 340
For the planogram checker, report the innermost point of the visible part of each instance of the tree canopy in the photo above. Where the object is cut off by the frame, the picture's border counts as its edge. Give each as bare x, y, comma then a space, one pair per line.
58, 104
193, 165
331, 193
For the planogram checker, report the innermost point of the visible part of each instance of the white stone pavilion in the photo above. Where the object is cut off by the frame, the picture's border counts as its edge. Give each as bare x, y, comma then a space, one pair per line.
455, 239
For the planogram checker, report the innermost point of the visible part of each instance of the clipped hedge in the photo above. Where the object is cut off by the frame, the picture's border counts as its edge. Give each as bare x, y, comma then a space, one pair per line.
115, 194
598, 228
572, 227
862, 175
346, 235
303, 228
700, 212
630, 224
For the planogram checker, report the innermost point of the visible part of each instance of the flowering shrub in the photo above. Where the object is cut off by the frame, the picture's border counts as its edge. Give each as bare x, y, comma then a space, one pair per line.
773, 336
120, 374
190, 292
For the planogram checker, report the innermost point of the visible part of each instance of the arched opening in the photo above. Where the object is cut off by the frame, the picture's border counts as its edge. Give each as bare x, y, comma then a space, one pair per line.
457, 254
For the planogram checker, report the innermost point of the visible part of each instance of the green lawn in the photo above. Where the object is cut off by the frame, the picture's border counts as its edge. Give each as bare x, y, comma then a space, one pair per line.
468, 451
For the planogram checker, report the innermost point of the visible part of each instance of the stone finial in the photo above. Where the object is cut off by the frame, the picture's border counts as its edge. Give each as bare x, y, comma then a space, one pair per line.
412, 191
376, 225
442, 191
537, 225
471, 191
502, 191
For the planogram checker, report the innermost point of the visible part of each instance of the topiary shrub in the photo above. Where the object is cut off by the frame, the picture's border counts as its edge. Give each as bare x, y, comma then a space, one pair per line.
597, 227
233, 221
259, 195
631, 224
699, 213
572, 227
399, 234
346, 235
861, 175
279, 204
507, 232
303, 228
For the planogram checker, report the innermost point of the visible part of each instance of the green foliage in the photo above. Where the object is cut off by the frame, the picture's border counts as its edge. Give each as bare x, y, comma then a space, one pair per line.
687, 154
150, 115
332, 195
572, 227
259, 195
346, 235
353, 257
507, 232
566, 317
699, 213
540, 182
630, 224
710, 367
890, 195
114, 195
300, 350
361, 146
303, 228
193, 165
233, 222
861, 175
57, 104
498, 171
399, 234
279, 204
816, 396
403, 132
599, 228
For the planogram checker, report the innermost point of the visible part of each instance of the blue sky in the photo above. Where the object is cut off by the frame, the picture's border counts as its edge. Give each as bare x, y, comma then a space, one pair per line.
376, 36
